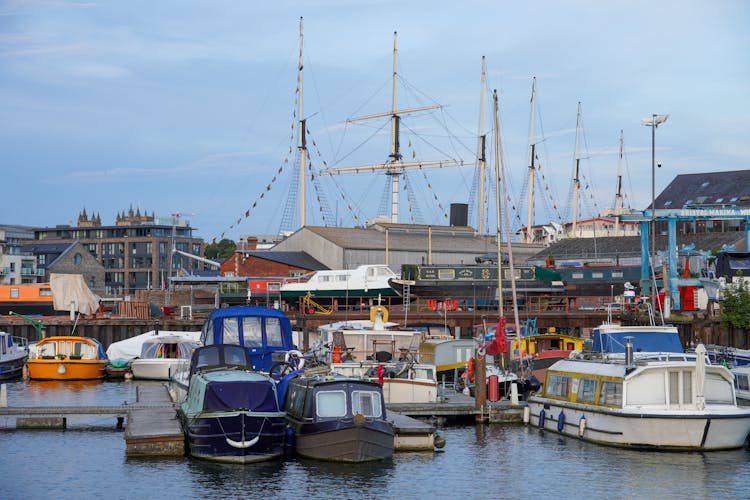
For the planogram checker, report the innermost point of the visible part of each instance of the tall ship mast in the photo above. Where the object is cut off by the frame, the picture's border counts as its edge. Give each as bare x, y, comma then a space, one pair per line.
394, 167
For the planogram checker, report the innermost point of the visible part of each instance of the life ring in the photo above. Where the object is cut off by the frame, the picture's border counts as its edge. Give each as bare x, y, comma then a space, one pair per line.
481, 351
379, 312
470, 370
295, 359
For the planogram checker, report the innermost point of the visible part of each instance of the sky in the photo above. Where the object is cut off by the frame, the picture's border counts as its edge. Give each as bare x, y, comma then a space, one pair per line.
190, 107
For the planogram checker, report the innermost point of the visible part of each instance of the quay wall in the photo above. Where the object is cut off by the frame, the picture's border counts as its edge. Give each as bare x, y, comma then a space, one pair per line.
107, 330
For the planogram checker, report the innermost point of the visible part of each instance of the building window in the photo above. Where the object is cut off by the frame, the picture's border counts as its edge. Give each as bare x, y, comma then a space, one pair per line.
14, 293
77, 259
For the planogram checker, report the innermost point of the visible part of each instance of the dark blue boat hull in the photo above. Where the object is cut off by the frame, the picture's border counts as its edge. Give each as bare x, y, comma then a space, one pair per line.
209, 437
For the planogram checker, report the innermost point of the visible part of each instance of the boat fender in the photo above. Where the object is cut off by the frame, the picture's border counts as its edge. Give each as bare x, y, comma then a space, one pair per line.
470, 370
542, 414
295, 359
581, 425
439, 441
526, 415
61, 369
561, 421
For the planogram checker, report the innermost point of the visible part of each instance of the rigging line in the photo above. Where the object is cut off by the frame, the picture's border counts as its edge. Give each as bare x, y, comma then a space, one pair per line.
365, 141
421, 137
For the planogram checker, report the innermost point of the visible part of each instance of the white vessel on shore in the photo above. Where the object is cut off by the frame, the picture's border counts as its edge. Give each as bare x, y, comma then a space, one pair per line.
363, 281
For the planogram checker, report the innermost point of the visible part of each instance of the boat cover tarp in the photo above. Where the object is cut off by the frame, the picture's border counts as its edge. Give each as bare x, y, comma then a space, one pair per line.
648, 341
241, 395
131, 348
732, 264
69, 290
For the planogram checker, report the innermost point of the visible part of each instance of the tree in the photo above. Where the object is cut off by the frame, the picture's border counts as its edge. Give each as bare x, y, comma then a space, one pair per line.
735, 306
220, 250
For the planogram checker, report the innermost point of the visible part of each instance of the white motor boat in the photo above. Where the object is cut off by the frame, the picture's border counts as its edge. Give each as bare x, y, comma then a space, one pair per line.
664, 401
161, 356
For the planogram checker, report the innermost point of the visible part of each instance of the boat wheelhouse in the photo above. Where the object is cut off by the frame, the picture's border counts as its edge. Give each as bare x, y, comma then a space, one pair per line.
67, 357
13, 353
338, 419
473, 285
161, 357
266, 333
364, 281
666, 401
231, 413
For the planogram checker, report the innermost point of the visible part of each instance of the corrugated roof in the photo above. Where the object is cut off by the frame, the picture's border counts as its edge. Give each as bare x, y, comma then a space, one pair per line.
611, 247
301, 260
706, 189
407, 238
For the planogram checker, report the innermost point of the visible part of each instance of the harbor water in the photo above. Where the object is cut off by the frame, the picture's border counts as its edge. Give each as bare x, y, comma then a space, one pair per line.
88, 460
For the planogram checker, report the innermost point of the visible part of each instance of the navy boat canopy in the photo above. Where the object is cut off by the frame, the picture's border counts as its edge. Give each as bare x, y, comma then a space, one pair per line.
241, 395
643, 341
261, 330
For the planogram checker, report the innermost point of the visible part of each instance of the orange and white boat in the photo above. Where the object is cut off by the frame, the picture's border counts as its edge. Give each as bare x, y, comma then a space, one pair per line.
67, 357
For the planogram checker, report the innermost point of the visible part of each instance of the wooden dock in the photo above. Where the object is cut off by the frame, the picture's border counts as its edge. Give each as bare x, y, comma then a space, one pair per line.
154, 428
459, 406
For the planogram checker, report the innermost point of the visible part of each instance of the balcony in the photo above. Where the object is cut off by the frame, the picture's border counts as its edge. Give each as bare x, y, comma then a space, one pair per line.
4, 271
28, 271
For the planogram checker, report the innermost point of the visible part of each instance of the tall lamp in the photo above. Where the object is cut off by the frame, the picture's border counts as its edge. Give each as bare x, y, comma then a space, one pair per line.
654, 121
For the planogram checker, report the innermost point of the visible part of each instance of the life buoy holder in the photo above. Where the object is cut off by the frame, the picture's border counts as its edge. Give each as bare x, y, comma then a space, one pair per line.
295, 359
379, 311
470, 370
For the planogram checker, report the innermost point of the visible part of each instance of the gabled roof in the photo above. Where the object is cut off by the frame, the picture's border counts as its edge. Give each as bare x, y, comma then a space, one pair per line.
709, 189
69, 247
295, 259
613, 247
444, 239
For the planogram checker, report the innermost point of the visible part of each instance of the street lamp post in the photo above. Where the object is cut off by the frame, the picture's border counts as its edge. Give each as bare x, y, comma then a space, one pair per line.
654, 121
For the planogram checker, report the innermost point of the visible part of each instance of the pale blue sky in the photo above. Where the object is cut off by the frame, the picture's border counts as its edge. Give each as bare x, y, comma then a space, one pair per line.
186, 106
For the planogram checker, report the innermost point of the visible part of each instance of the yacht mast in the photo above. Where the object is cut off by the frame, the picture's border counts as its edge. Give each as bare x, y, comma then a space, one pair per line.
301, 141
395, 154
481, 153
618, 196
532, 145
498, 208
576, 178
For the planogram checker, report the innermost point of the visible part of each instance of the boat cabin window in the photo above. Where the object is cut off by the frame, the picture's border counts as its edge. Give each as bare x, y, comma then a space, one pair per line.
366, 403
647, 389
48, 349
273, 332
231, 331
330, 404
718, 390
586, 390
741, 382
610, 393
207, 335
558, 386
251, 331
680, 387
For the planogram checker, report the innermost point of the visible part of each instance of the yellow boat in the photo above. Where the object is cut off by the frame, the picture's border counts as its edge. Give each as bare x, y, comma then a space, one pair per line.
67, 357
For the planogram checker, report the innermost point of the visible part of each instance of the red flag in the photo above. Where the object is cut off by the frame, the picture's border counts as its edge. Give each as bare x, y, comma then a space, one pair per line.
501, 339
